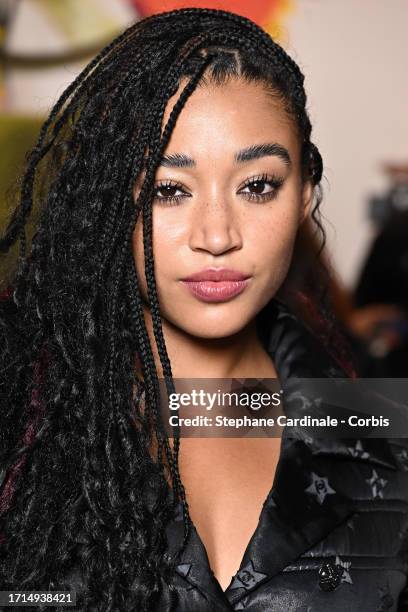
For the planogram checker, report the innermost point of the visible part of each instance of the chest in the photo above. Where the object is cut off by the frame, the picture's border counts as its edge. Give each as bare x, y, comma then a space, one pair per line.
227, 481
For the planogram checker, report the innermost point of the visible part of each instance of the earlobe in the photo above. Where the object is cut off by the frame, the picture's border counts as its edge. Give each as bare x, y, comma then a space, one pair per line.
307, 200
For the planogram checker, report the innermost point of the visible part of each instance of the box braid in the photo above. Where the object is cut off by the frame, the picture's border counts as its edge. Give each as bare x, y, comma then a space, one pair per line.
75, 462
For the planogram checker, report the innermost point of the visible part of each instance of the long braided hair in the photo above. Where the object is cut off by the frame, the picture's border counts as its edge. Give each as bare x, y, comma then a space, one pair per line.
74, 454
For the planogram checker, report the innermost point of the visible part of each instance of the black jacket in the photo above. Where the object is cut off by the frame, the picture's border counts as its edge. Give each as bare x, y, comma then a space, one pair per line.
333, 532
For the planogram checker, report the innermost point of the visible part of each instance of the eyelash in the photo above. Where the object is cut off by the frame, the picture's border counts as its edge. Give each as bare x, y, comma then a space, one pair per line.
274, 181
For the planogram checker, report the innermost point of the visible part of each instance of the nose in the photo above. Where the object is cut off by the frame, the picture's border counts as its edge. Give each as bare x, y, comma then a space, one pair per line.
215, 228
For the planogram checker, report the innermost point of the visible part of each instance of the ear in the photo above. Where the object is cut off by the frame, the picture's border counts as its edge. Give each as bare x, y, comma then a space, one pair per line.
307, 200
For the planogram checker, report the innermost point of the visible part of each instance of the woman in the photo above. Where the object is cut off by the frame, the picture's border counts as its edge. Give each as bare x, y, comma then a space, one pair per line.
182, 150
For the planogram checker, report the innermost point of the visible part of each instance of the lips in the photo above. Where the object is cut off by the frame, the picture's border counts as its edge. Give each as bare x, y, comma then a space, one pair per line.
216, 285
217, 274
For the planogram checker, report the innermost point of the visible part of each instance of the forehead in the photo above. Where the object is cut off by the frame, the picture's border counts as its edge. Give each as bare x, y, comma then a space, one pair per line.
218, 118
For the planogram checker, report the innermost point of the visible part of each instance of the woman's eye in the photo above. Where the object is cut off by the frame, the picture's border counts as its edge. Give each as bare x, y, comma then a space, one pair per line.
168, 192
262, 188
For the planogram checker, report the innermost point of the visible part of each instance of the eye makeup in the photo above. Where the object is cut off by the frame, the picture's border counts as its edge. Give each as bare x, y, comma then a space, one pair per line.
259, 182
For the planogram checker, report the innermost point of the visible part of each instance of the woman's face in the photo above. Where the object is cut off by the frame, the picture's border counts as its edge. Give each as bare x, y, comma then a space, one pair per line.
233, 165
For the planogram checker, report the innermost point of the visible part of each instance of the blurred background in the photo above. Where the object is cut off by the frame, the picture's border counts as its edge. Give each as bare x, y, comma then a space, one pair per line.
354, 57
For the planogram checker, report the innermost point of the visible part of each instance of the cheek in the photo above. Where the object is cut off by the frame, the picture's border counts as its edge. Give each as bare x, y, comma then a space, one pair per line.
272, 246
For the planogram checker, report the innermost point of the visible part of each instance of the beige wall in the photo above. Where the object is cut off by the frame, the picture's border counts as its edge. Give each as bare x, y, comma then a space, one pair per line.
354, 54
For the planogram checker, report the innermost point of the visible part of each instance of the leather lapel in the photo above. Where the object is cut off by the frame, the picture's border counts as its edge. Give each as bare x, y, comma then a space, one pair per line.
375, 451
301, 509
194, 566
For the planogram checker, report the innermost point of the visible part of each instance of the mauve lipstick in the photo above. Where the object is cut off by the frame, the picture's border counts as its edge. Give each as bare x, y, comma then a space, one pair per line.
216, 284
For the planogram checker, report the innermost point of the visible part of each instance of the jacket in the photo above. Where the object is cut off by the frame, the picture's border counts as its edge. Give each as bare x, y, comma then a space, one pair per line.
332, 534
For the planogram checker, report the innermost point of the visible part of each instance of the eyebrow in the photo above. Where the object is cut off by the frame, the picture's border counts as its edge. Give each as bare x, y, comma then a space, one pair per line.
180, 160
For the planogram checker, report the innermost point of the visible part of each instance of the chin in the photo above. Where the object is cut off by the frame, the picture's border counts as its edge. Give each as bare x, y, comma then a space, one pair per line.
222, 328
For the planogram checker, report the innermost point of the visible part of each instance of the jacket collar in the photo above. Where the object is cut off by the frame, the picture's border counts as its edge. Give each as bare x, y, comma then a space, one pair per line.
303, 506
298, 354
